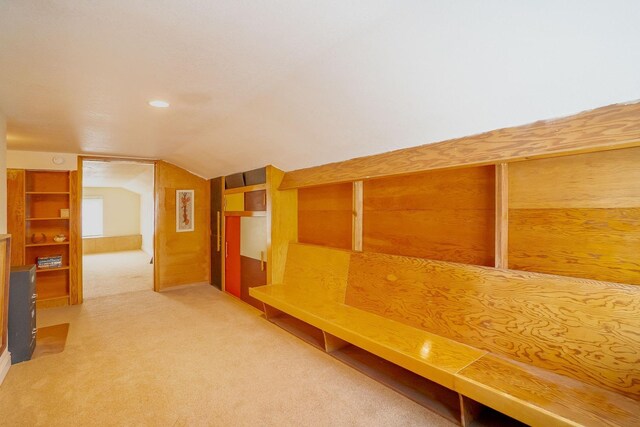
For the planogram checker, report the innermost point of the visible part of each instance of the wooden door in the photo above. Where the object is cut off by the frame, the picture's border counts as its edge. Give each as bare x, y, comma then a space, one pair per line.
232, 255
216, 232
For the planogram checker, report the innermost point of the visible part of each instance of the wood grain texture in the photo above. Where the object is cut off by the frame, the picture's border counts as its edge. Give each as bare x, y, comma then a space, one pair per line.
282, 215
75, 239
502, 216
583, 329
424, 353
47, 181
601, 244
180, 258
317, 270
325, 215
358, 215
613, 126
16, 214
446, 215
596, 180
542, 398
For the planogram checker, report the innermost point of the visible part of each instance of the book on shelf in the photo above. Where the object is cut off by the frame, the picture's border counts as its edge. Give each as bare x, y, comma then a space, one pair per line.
52, 261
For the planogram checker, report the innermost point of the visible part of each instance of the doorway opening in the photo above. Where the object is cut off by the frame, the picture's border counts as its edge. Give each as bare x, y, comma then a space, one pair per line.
118, 226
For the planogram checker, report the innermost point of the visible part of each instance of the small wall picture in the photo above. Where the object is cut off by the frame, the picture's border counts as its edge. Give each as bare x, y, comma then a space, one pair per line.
184, 210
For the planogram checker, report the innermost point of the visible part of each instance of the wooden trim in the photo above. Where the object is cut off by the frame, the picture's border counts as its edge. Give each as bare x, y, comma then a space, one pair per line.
333, 343
116, 159
156, 230
5, 364
358, 211
469, 411
502, 216
606, 128
75, 237
245, 189
245, 213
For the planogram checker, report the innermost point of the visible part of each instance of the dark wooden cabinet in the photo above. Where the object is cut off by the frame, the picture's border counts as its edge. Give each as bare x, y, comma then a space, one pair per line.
255, 200
216, 231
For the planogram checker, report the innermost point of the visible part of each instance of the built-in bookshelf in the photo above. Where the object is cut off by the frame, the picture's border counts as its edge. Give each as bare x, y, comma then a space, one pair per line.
41, 214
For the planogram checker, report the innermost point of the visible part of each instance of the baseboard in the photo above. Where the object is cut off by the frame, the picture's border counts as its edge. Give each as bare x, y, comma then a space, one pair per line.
186, 285
5, 364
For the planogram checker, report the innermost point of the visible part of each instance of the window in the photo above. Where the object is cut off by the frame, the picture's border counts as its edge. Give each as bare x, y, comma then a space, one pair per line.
92, 216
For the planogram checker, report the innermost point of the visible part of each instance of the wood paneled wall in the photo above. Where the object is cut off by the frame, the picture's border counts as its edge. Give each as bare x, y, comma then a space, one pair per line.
181, 258
325, 215
445, 215
16, 204
577, 215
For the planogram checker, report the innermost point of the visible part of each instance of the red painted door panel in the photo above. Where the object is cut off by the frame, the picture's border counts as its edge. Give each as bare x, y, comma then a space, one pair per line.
232, 255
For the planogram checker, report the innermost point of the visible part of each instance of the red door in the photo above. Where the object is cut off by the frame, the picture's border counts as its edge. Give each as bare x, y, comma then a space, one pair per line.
232, 255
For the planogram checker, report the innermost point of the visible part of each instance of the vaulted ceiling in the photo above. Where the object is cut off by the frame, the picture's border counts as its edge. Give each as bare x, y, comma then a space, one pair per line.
297, 83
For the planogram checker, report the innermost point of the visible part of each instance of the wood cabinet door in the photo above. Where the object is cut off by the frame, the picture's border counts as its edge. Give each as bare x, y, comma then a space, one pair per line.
232, 255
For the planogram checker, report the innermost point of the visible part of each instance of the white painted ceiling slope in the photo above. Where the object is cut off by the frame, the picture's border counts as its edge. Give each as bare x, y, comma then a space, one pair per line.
297, 83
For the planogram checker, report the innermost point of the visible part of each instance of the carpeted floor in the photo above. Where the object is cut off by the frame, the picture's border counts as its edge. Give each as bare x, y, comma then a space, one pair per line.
116, 272
191, 357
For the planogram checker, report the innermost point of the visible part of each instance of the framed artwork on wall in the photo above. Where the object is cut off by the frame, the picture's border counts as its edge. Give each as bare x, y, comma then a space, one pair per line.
185, 200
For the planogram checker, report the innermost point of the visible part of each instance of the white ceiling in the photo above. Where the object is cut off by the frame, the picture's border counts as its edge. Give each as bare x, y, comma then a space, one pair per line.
135, 177
297, 83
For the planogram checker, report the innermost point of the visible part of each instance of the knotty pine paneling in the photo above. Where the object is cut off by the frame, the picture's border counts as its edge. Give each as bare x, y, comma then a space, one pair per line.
445, 215
577, 215
325, 215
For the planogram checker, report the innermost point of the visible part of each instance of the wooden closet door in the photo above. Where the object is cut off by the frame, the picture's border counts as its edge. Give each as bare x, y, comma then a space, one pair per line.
232, 255
253, 251
216, 232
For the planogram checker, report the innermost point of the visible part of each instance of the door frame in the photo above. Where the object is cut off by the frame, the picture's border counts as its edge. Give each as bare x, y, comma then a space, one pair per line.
79, 260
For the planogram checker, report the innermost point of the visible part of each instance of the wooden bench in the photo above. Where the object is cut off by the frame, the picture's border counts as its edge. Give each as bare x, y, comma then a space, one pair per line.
460, 339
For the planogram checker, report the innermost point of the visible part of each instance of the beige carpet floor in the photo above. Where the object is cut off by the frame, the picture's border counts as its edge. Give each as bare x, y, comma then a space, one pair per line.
116, 272
191, 357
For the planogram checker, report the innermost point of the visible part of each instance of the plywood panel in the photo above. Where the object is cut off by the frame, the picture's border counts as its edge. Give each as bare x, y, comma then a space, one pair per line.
577, 215
16, 214
282, 215
320, 272
47, 181
446, 215
613, 126
583, 329
181, 258
601, 244
608, 179
544, 399
325, 215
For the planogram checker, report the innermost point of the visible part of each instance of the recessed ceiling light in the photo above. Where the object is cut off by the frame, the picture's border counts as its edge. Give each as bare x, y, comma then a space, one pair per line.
158, 103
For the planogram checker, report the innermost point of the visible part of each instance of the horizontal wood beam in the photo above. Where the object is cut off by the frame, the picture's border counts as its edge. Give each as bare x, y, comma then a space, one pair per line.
605, 128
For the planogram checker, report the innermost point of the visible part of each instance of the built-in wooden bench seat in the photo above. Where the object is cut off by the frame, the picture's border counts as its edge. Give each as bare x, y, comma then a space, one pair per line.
542, 349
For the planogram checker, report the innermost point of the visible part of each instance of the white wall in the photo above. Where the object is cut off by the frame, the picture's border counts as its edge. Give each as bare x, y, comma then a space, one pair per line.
121, 210
143, 184
41, 160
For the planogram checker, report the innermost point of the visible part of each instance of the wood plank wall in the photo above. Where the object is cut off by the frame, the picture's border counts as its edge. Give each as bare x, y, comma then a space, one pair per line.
445, 215
577, 215
181, 258
325, 215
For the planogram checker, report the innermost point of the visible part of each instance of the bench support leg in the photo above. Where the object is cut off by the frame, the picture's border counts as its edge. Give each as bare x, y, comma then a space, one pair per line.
469, 410
270, 312
333, 343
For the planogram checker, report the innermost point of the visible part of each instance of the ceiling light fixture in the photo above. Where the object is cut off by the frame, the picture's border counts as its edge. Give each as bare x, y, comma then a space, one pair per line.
158, 103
